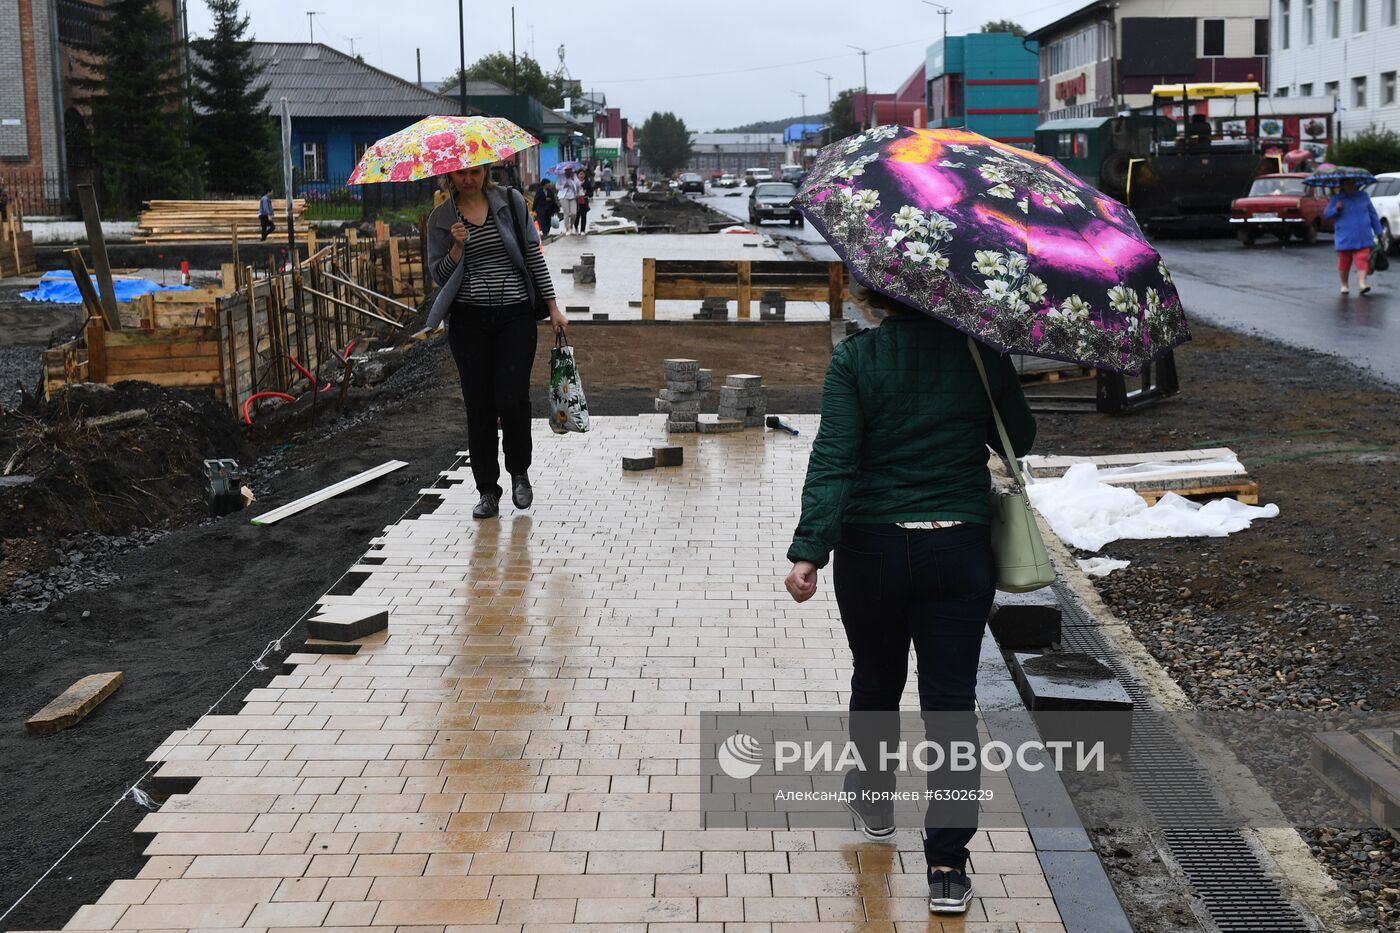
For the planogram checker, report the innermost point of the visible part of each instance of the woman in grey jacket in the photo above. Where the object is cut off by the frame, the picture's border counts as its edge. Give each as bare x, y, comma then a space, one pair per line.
490, 288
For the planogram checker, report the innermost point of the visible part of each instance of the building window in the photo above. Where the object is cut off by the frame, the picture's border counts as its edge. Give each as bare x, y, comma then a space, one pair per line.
359, 149
1358, 16
1390, 11
1212, 38
1305, 90
1307, 25
1388, 89
1285, 8
1281, 92
1330, 89
313, 160
1334, 18
1261, 36
1358, 93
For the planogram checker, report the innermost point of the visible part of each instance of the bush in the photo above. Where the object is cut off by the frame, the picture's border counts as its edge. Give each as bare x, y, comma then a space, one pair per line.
1373, 149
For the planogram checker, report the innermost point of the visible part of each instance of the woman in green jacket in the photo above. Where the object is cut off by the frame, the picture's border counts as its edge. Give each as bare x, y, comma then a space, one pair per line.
897, 486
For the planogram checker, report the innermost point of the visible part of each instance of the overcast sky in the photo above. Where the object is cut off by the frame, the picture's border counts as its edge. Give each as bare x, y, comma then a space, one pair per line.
752, 58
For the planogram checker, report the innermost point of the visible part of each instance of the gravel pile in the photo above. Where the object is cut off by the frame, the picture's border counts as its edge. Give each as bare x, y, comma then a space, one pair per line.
80, 561
18, 366
1302, 655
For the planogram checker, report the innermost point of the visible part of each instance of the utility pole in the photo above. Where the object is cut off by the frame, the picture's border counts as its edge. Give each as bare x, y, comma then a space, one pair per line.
462, 55
802, 127
864, 83
943, 11
828, 106
352, 43
311, 22
512, 51
418, 54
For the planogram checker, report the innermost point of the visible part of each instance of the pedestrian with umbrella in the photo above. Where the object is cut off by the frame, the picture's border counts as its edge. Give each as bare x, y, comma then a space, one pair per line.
495, 285
976, 249
1356, 226
568, 200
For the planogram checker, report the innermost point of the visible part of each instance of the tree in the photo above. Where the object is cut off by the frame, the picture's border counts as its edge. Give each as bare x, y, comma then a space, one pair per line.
530, 78
665, 142
1005, 25
232, 124
1375, 150
843, 115
139, 125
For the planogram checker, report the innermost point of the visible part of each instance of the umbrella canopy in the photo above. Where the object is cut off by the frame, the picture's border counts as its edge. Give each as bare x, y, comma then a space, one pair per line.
559, 169
1336, 174
1006, 245
438, 145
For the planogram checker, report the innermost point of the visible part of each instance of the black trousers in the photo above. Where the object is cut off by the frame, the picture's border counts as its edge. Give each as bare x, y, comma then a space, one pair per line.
265, 222
494, 348
933, 588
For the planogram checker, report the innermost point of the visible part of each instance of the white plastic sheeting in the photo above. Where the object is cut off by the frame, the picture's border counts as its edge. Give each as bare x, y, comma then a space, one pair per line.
1101, 566
1087, 514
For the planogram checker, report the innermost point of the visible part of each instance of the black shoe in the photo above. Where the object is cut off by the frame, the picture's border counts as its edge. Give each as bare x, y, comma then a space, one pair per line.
949, 892
875, 820
487, 507
520, 491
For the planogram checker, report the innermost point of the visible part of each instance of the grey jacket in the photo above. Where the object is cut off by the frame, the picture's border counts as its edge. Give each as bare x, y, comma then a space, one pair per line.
440, 223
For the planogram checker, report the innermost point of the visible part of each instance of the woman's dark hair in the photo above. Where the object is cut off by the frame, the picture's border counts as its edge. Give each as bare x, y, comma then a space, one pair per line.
883, 302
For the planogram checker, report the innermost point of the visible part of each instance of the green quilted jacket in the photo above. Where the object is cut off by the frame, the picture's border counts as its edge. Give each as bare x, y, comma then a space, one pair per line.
904, 432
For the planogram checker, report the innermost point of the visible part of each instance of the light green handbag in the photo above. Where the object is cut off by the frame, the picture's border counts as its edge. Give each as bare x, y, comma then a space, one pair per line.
1022, 561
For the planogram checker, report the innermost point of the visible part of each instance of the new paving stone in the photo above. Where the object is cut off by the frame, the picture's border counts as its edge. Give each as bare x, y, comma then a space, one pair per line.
517, 749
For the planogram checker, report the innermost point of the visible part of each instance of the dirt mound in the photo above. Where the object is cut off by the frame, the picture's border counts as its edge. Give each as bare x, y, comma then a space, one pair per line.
62, 472
670, 210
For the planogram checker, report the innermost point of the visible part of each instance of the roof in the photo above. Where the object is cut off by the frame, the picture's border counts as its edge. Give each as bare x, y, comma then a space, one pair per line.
1081, 123
1050, 29
319, 81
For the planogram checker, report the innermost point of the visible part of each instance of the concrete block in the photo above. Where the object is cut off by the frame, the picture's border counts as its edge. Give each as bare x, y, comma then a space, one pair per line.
754, 421
72, 705
668, 456
743, 381
677, 407
680, 392
690, 415
680, 427
1068, 680
346, 624
714, 424
1021, 625
680, 368
635, 464
706, 379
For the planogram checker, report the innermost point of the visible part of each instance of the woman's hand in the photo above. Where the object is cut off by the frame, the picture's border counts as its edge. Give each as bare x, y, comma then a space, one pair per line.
556, 317
459, 234
801, 583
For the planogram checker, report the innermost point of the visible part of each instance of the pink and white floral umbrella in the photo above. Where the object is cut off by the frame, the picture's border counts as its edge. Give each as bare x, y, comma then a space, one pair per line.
438, 145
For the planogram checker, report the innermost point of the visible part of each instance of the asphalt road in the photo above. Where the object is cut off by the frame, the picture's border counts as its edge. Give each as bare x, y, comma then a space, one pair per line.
737, 206
1290, 294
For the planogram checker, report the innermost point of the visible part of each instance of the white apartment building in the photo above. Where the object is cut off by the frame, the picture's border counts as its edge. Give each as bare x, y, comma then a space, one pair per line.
1348, 50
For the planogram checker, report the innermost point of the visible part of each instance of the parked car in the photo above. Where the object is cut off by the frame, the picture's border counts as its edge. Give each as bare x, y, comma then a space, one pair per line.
791, 173
754, 176
1385, 194
1282, 205
772, 200
727, 181
692, 182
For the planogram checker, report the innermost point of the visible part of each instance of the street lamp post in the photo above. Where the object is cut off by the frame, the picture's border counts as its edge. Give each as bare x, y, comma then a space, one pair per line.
462, 57
864, 82
943, 11
828, 104
801, 127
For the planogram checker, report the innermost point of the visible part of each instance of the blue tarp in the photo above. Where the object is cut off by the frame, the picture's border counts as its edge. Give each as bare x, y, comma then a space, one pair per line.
60, 288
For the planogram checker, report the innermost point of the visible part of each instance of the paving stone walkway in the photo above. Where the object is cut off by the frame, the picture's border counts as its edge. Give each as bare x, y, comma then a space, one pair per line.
518, 751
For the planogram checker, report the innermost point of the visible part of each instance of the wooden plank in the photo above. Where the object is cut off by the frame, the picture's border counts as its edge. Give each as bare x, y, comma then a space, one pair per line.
70, 707
164, 335
119, 367
195, 379
91, 303
96, 334
648, 289
664, 292
229, 359
175, 349
835, 289
251, 315
345, 485
98, 245
743, 292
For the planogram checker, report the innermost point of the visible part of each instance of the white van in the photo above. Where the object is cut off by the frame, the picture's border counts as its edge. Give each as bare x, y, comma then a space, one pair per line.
753, 176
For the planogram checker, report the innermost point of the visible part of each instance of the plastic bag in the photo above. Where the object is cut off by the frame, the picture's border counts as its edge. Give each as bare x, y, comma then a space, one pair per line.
569, 408
1379, 260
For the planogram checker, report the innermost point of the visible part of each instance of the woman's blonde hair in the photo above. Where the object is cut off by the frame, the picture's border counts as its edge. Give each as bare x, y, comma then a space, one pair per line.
445, 181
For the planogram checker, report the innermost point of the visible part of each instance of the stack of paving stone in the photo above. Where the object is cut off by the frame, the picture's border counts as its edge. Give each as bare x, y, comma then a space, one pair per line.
686, 386
743, 398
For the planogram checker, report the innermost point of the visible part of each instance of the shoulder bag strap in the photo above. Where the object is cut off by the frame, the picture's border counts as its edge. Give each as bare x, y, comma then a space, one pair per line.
523, 242
1013, 466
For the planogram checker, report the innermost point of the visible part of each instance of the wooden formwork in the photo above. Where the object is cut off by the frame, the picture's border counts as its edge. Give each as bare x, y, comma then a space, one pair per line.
741, 280
16, 243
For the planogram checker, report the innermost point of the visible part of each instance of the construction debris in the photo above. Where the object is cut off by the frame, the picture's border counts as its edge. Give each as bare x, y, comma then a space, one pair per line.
72, 705
330, 492
743, 398
346, 623
121, 419
668, 456
637, 464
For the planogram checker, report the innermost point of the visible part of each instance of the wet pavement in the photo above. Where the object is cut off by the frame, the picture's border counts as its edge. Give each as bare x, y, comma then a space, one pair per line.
1289, 294
517, 752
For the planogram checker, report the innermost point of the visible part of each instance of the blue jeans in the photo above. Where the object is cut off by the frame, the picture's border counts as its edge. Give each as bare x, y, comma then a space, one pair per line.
933, 588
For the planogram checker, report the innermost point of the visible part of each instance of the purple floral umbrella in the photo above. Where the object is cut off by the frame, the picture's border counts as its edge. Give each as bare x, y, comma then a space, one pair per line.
1004, 244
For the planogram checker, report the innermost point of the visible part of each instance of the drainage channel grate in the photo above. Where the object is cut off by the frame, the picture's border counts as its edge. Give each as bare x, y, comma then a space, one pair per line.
1217, 860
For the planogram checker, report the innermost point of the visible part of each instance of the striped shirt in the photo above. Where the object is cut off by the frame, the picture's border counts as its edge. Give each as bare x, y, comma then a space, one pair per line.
491, 279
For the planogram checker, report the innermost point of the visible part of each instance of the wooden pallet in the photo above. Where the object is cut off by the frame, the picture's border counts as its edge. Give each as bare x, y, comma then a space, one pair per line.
1363, 767
1184, 479
1036, 370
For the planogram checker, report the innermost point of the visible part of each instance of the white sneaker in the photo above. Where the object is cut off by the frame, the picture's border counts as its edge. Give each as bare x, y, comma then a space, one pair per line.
1345, 290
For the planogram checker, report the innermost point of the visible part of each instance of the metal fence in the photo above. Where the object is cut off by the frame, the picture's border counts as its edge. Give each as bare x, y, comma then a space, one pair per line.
36, 192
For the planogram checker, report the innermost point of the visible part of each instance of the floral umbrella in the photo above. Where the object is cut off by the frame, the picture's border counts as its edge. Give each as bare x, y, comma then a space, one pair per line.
1004, 244
559, 169
438, 145
1333, 175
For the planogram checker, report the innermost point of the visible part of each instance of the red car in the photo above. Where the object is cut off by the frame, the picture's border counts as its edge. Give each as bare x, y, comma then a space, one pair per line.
1281, 205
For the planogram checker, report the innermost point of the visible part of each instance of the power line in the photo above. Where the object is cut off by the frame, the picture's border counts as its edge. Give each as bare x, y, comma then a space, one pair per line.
740, 71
